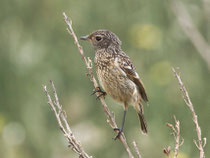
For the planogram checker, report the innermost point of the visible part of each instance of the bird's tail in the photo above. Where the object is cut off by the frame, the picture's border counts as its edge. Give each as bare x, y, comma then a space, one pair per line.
142, 120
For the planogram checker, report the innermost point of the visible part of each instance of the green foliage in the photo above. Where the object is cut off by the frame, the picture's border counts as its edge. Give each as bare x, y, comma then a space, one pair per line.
35, 48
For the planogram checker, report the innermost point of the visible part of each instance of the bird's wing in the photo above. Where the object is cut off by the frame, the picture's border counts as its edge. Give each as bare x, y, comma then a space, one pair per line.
126, 65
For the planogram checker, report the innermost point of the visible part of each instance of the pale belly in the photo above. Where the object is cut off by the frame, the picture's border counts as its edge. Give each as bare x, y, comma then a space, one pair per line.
118, 86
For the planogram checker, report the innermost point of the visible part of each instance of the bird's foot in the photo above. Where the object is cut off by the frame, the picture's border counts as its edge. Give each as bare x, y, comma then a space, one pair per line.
101, 93
118, 134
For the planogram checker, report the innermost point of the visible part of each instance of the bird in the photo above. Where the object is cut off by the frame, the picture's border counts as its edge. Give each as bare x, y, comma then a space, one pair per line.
117, 75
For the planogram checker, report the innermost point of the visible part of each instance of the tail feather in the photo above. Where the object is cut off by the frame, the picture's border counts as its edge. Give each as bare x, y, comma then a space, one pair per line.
142, 122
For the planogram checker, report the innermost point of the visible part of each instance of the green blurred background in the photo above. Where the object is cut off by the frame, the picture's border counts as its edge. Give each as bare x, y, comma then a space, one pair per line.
35, 48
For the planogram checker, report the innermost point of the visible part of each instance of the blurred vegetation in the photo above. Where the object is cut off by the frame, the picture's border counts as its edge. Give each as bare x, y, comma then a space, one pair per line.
35, 47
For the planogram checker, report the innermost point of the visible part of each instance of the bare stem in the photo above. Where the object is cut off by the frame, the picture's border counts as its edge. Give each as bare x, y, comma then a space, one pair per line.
63, 124
136, 149
88, 64
176, 133
200, 144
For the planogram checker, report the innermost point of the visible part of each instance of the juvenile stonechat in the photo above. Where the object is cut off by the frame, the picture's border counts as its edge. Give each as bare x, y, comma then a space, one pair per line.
117, 75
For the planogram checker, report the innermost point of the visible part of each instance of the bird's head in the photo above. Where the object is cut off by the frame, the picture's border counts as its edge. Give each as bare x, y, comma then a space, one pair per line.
102, 39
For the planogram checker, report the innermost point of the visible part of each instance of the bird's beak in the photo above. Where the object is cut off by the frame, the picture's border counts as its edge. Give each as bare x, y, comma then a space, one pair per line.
84, 37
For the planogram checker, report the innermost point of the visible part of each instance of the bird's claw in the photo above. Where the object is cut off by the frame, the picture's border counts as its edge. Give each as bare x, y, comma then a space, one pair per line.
102, 94
98, 89
118, 134
116, 129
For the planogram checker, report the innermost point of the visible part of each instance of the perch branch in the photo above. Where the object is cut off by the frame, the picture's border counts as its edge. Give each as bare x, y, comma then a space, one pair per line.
63, 124
186, 23
88, 64
200, 144
176, 133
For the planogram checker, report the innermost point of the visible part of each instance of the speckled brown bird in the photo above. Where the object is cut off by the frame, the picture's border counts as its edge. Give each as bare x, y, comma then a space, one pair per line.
117, 75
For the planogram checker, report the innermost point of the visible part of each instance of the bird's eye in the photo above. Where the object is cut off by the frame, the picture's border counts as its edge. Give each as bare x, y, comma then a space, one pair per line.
98, 38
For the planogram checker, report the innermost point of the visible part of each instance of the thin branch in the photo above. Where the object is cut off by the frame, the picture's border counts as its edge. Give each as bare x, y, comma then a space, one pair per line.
200, 144
186, 23
88, 64
136, 149
176, 133
63, 124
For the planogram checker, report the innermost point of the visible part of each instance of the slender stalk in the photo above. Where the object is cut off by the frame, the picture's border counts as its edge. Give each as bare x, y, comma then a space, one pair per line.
63, 124
200, 144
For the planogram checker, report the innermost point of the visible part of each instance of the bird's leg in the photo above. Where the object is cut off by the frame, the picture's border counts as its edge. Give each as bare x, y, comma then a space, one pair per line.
98, 89
120, 130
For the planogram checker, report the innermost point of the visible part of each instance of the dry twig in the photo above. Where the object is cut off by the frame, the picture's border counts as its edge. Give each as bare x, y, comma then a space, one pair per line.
63, 124
176, 133
186, 23
200, 144
88, 64
136, 149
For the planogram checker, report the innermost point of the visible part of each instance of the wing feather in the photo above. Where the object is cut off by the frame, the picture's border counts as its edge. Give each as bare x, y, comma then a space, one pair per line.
127, 67
133, 76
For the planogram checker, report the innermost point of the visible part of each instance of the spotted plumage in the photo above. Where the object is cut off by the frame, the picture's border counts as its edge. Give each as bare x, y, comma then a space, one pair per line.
116, 73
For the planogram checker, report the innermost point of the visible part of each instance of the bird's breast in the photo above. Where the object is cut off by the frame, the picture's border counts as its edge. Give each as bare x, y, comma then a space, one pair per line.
113, 80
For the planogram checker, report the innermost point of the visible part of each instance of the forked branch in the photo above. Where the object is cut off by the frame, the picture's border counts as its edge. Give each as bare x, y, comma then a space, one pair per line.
176, 133
63, 124
201, 142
